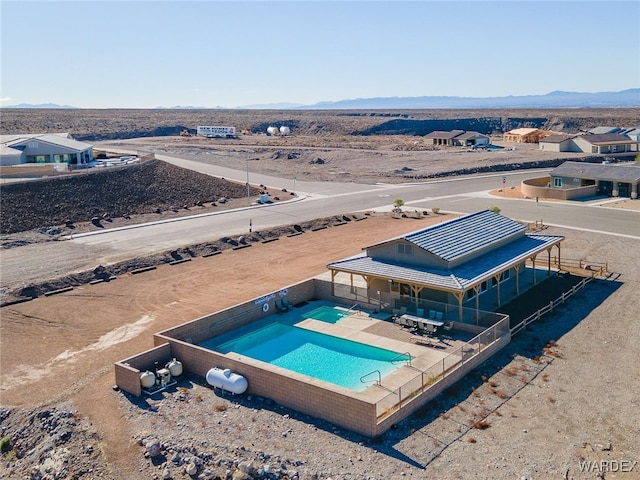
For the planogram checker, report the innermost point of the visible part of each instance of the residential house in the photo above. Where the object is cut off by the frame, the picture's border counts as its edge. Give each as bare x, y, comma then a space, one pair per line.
457, 138
44, 148
617, 180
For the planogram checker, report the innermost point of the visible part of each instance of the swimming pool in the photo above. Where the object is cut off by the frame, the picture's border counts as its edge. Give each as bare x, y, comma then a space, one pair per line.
325, 357
327, 314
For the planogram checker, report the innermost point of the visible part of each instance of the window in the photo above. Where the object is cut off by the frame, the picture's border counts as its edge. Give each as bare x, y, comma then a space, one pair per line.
483, 286
471, 294
404, 249
557, 182
504, 276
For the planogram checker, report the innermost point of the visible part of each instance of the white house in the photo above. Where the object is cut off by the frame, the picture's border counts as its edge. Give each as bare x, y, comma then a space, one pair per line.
44, 148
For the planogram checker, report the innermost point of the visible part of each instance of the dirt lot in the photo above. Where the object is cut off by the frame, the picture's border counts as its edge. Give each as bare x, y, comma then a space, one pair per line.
58, 351
371, 159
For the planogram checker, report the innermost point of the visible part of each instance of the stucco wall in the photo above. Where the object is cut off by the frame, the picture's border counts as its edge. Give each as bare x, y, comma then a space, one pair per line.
537, 187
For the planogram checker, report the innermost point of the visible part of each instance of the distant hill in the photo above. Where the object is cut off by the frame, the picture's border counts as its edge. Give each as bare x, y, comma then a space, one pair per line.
558, 99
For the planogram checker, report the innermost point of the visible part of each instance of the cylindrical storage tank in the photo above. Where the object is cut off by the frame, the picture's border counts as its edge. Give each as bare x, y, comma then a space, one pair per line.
272, 130
226, 380
285, 130
175, 367
147, 379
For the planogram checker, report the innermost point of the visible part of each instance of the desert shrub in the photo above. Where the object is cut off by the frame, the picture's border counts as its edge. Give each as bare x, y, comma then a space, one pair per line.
5, 444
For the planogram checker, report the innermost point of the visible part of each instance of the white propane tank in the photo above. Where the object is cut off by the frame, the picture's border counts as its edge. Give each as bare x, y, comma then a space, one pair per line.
272, 130
147, 379
175, 367
226, 380
285, 130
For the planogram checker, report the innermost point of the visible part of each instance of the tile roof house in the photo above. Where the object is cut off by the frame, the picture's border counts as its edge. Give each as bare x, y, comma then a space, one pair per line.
458, 262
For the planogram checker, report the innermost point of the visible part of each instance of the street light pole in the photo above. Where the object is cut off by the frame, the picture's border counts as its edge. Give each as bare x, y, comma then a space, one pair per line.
248, 187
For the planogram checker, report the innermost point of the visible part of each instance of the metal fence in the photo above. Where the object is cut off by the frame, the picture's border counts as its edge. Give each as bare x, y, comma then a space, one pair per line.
552, 305
432, 376
398, 304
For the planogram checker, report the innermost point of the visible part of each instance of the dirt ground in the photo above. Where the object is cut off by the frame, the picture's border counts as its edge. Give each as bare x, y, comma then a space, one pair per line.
61, 349
373, 159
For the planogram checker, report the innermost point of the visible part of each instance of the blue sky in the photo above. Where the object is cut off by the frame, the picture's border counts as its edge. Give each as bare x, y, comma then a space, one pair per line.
145, 54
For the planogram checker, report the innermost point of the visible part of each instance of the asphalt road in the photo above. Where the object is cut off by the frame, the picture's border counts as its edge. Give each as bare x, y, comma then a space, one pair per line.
317, 199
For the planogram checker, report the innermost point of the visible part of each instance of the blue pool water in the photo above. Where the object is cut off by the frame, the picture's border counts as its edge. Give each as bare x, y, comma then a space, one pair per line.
327, 314
325, 357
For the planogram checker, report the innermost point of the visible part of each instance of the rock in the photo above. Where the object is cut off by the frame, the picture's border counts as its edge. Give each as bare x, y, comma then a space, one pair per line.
248, 467
152, 448
240, 475
191, 469
166, 473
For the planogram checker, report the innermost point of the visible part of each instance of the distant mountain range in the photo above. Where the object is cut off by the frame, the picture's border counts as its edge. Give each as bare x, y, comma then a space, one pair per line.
41, 105
558, 99
625, 98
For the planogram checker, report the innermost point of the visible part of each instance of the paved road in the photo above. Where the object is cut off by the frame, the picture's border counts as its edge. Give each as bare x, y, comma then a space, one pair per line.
318, 199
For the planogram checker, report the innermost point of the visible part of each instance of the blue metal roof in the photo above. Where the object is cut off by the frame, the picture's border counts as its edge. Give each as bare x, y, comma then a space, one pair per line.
464, 235
458, 278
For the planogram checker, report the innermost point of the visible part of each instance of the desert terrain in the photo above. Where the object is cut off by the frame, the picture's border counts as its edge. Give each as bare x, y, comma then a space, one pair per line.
560, 397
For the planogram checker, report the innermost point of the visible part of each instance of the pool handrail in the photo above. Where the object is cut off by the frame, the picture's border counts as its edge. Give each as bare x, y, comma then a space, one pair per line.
378, 382
405, 354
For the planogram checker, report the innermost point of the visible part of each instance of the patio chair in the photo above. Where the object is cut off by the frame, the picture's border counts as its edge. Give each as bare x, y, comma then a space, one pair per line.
432, 314
439, 316
279, 306
286, 304
420, 312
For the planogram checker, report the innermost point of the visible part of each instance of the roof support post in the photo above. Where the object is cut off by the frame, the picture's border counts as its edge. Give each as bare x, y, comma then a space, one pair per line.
333, 283
533, 261
497, 279
476, 290
416, 293
517, 269
459, 296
